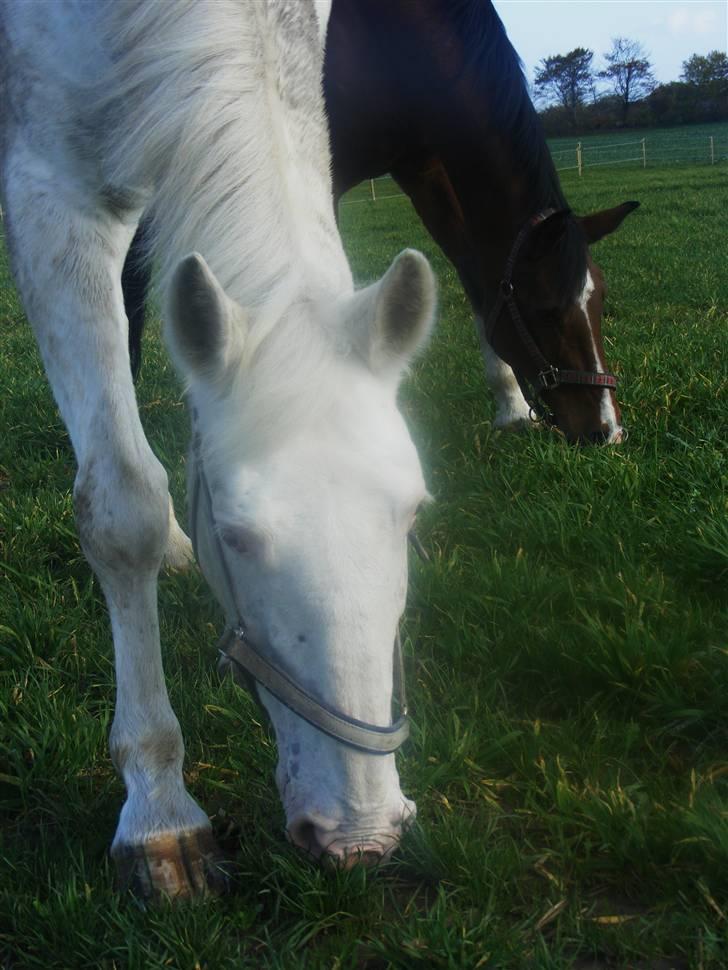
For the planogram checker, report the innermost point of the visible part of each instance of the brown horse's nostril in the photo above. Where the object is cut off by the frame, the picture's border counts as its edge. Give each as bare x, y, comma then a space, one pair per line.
605, 436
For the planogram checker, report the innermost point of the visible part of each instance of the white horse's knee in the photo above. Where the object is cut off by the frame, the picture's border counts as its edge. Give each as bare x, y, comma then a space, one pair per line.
122, 514
138, 748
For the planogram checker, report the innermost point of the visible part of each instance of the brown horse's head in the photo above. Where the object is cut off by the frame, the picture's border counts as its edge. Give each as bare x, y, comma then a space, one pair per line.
546, 323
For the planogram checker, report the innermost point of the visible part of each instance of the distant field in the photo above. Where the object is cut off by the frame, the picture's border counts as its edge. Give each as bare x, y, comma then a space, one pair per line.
567, 655
659, 136
688, 144
685, 145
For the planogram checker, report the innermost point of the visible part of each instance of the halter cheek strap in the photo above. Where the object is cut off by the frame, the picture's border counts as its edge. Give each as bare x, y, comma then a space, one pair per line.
253, 669
548, 376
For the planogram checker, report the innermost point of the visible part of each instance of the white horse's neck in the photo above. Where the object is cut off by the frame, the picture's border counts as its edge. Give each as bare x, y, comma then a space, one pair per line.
212, 110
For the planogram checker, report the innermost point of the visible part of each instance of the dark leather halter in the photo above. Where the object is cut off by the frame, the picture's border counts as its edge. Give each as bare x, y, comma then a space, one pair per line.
252, 669
548, 376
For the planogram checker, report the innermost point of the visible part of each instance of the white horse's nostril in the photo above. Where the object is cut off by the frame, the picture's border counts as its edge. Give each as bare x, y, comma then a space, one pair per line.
325, 842
360, 856
305, 834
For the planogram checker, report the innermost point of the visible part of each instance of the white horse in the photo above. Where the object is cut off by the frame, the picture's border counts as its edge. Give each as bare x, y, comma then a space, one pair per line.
209, 115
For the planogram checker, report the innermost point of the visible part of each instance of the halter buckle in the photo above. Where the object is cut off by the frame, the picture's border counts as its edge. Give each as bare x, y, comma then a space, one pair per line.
549, 379
506, 288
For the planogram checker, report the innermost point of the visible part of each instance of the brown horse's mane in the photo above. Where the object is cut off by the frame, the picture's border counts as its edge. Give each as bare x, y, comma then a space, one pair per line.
494, 72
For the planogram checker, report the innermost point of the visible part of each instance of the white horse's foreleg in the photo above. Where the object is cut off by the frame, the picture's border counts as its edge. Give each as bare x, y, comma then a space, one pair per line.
512, 411
67, 263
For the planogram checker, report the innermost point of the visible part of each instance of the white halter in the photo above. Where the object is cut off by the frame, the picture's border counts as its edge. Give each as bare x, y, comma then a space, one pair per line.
237, 651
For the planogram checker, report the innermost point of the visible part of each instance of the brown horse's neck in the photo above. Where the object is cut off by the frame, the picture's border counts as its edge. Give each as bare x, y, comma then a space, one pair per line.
474, 204
433, 93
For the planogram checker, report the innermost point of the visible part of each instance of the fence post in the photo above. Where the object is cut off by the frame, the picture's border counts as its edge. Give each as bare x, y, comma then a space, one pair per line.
371, 186
578, 157
644, 153
712, 151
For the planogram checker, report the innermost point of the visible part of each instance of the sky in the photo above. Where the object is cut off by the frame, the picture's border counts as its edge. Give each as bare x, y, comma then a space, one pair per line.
669, 30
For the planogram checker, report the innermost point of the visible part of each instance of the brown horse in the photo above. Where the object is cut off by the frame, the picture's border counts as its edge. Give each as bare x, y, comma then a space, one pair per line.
433, 93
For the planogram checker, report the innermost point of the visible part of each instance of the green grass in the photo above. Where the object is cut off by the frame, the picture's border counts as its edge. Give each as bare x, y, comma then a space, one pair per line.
566, 650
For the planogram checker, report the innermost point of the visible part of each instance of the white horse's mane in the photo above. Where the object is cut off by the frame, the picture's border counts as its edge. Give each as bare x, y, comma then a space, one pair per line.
254, 198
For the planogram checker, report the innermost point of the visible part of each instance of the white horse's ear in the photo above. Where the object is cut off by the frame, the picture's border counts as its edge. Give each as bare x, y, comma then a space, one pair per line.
392, 319
204, 326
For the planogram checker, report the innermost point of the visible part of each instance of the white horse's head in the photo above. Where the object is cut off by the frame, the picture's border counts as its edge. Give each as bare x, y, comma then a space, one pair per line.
314, 483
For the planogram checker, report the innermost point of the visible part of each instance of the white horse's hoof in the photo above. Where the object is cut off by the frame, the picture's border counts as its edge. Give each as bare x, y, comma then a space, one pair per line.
179, 865
513, 422
179, 555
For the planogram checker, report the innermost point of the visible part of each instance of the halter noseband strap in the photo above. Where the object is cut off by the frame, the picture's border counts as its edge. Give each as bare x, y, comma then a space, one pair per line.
235, 647
548, 376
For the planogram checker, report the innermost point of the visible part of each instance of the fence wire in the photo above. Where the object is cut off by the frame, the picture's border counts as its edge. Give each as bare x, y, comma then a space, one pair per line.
707, 150
646, 152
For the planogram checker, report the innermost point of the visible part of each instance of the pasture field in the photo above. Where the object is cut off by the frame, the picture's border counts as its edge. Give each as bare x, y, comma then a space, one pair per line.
567, 655
685, 145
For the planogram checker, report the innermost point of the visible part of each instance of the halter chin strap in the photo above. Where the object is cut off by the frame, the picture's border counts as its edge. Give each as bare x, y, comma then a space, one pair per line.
236, 649
548, 376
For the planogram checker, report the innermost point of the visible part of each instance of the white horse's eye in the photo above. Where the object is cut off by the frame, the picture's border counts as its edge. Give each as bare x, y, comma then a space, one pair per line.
241, 539
249, 542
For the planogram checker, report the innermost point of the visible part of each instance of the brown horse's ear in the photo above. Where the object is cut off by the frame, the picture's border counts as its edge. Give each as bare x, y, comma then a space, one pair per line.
600, 224
546, 234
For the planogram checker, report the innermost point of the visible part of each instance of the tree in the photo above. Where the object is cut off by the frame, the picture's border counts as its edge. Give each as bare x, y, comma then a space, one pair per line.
706, 69
566, 79
629, 72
